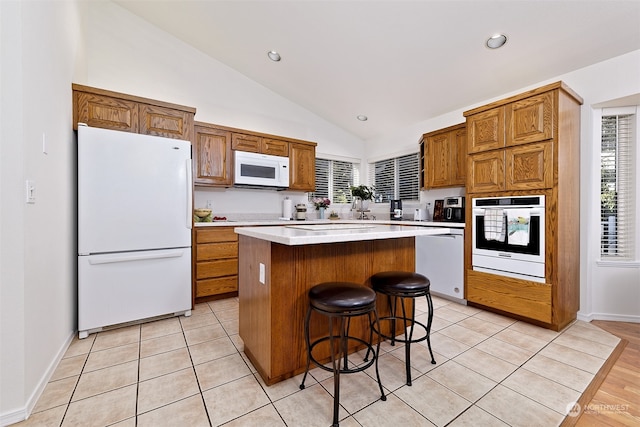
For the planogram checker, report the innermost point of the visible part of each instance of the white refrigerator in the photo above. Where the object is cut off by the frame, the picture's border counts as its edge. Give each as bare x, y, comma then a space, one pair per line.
134, 228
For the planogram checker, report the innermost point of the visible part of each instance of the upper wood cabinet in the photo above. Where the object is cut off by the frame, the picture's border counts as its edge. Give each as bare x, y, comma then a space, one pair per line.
212, 158
118, 111
259, 144
486, 130
244, 142
444, 161
274, 147
529, 120
522, 130
213, 155
302, 167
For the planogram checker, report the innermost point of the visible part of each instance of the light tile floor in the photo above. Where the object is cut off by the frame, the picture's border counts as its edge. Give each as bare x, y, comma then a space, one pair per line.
191, 371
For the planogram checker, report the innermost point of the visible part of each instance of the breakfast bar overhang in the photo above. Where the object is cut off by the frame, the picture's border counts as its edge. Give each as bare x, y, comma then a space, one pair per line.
278, 265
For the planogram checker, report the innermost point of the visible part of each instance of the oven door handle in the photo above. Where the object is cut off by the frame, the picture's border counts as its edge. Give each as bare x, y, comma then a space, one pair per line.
480, 212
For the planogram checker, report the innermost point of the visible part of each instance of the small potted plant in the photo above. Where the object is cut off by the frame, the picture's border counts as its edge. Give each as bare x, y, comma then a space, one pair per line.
334, 215
362, 195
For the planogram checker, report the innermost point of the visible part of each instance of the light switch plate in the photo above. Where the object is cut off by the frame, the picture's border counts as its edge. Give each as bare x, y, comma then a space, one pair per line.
30, 191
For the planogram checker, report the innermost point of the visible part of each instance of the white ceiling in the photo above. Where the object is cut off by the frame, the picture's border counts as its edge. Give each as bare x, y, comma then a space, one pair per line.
398, 62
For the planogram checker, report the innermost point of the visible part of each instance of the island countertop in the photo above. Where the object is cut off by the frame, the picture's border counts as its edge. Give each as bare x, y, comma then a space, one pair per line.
310, 234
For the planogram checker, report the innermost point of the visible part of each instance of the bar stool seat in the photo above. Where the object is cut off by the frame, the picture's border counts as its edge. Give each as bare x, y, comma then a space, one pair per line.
398, 286
342, 301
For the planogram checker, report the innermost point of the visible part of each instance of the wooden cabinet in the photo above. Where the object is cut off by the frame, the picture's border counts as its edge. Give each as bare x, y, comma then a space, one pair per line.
118, 111
213, 155
216, 263
258, 144
535, 152
503, 155
302, 167
445, 156
212, 158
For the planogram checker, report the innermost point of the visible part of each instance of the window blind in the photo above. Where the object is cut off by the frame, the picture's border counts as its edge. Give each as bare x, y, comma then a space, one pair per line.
334, 179
617, 186
397, 178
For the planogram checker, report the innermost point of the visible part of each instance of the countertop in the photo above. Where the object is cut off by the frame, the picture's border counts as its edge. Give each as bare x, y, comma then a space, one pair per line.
294, 233
269, 222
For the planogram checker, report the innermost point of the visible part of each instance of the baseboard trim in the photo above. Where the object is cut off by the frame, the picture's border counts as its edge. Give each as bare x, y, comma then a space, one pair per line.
630, 318
24, 412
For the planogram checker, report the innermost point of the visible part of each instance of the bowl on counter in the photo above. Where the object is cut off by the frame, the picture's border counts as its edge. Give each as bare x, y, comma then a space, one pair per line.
202, 213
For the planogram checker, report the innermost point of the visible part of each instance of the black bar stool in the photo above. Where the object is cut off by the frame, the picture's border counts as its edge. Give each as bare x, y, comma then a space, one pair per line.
397, 286
342, 300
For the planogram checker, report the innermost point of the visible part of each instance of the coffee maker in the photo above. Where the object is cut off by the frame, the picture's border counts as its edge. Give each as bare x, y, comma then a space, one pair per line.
454, 209
395, 210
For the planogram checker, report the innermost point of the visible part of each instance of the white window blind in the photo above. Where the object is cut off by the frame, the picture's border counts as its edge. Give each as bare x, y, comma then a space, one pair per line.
397, 178
617, 185
334, 179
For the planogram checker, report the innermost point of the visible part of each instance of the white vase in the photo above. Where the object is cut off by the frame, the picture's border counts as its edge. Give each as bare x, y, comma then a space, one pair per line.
362, 205
321, 213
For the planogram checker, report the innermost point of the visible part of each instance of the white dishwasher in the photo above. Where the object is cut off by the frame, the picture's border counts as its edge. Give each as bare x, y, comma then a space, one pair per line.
441, 259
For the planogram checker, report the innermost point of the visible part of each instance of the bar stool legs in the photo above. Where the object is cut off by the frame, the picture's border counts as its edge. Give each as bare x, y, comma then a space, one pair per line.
399, 286
332, 301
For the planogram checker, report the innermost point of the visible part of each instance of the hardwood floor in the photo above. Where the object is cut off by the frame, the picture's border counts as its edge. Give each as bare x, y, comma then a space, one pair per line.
617, 400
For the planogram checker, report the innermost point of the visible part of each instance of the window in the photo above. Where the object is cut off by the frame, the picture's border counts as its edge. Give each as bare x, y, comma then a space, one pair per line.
334, 179
617, 184
397, 178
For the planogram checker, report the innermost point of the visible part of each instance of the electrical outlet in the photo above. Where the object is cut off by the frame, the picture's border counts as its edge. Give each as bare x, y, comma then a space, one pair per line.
209, 204
262, 274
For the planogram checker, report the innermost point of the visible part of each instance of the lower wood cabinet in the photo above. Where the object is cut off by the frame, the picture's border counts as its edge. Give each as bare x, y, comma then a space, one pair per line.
216, 263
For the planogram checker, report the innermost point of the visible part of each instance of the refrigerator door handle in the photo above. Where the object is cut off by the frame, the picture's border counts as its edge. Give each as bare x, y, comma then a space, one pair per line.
189, 195
132, 256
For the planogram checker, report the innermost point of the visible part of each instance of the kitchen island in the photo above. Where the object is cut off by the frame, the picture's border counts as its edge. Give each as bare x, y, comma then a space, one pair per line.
277, 267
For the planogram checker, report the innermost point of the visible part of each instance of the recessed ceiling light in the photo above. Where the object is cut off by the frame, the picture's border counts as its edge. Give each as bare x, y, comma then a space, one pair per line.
362, 118
496, 41
273, 55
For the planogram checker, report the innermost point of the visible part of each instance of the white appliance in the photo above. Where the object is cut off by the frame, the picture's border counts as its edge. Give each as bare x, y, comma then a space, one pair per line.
134, 228
441, 259
503, 256
260, 170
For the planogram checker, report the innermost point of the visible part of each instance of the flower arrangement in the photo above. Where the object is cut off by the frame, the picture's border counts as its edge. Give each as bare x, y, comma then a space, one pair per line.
321, 202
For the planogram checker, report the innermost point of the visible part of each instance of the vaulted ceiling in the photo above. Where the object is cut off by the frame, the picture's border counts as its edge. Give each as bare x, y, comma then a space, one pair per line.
397, 62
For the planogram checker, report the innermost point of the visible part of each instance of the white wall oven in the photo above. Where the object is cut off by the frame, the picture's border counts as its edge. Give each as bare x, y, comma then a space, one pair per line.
509, 236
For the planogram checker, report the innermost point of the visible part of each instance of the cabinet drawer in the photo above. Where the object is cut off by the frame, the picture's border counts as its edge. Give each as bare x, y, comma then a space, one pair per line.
274, 147
223, 285
209, 251
244, 142
521, 297
218, 268
216, 234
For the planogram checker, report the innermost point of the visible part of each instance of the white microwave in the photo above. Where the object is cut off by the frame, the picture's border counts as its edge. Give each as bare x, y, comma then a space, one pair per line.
261, 170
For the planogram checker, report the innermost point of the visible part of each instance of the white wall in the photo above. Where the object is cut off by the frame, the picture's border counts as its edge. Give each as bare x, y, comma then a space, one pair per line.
42, 50
38, 303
